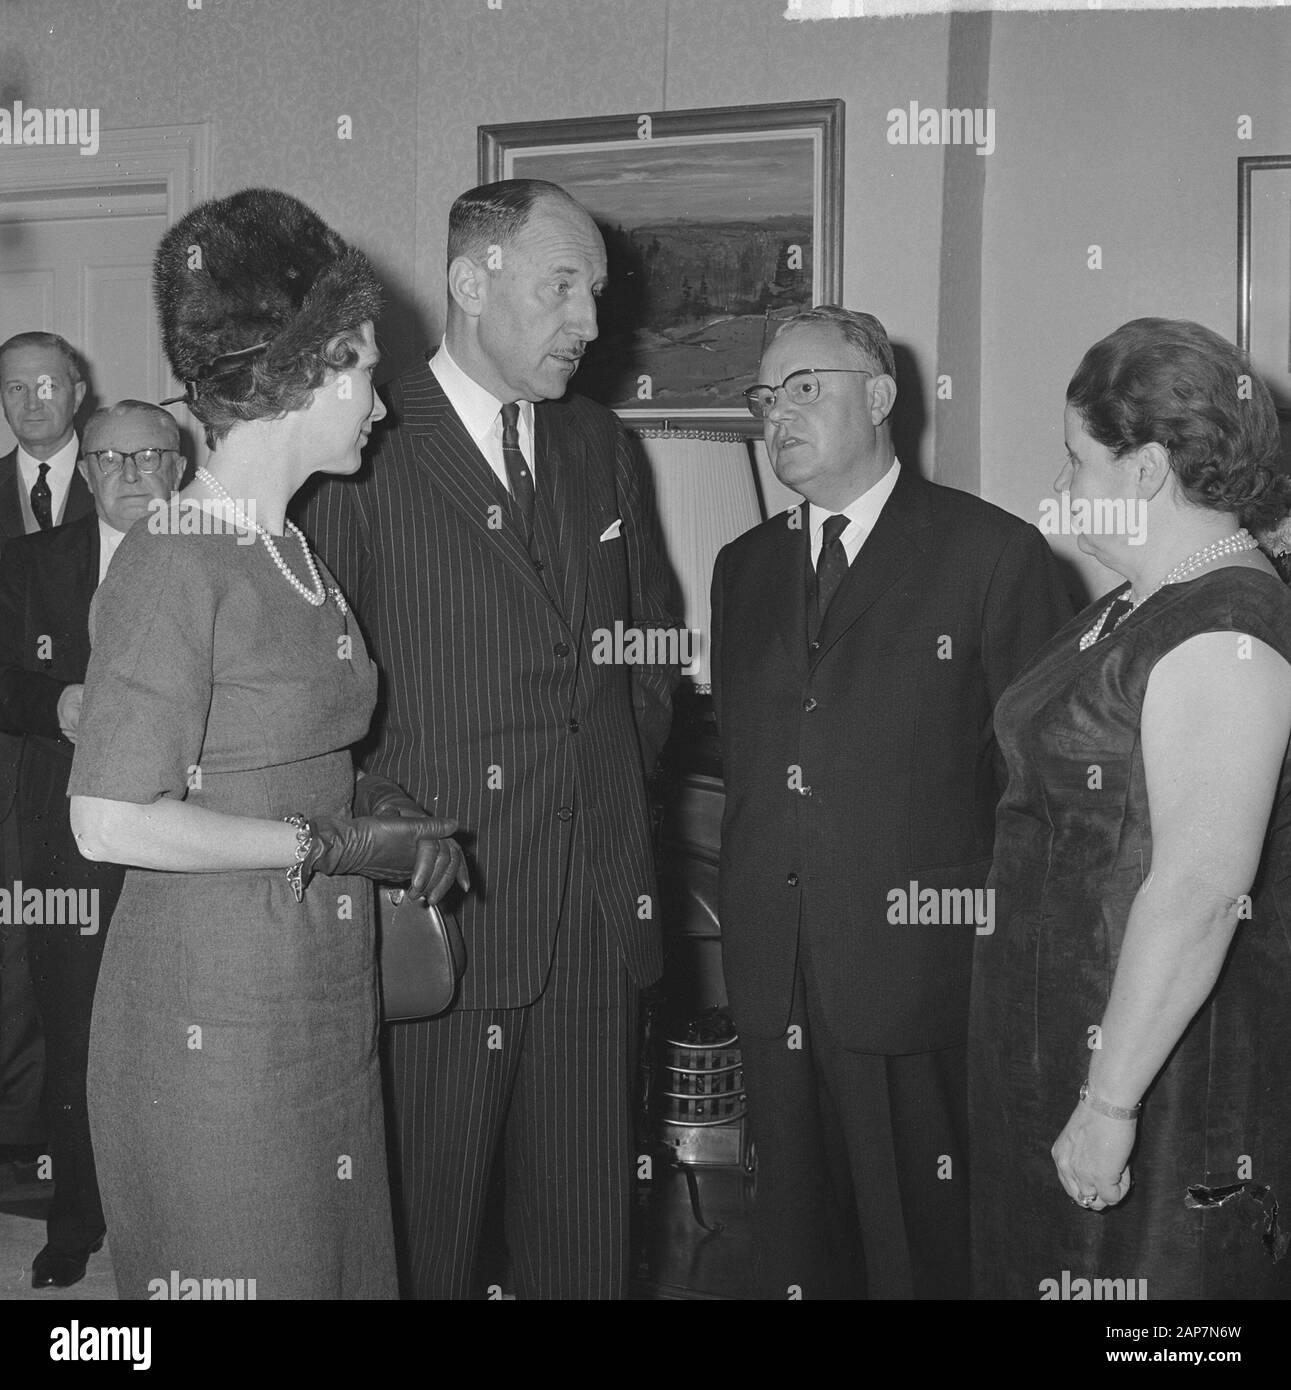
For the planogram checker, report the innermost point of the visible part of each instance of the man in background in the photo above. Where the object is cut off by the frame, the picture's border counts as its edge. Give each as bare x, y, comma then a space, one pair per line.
41, 389
42, 386
131, 457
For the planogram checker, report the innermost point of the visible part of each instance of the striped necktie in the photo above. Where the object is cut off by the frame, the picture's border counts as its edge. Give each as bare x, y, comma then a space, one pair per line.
518, 475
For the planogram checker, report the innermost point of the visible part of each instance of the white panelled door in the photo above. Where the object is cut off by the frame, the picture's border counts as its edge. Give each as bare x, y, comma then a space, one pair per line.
90, 279
77, 238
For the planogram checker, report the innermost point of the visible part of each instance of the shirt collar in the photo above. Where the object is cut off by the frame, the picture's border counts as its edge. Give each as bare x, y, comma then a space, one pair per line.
477, 407
60, 464
864, 509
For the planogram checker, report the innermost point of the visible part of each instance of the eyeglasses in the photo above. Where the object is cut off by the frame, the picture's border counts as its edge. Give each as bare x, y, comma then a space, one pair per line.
801, 387
112, 461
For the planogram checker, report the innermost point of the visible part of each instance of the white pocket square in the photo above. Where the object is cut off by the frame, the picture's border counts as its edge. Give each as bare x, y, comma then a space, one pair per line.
615, 528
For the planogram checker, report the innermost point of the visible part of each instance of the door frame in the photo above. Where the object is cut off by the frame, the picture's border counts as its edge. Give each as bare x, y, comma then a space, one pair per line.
162, 169
128, 163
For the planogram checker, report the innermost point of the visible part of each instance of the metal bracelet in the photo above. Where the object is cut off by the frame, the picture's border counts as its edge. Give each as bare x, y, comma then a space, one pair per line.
304, 838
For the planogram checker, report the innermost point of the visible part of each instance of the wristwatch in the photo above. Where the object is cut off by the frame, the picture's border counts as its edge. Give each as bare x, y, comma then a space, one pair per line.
1113, 1112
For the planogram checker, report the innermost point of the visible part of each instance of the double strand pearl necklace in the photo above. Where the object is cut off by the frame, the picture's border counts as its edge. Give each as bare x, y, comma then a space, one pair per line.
1240, 539
318, 596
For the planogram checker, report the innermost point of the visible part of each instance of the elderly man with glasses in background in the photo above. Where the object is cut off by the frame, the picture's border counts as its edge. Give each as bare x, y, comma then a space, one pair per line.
860, 643
131, 456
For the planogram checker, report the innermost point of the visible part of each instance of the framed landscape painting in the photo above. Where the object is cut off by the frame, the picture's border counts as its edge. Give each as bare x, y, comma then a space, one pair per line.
718, 224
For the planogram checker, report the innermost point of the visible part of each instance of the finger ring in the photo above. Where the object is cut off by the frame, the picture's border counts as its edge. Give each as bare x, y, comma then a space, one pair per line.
1086, 1201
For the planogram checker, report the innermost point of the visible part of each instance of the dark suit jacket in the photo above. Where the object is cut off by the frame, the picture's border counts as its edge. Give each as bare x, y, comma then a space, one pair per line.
492, 710
889, 727
46, 583
80, 502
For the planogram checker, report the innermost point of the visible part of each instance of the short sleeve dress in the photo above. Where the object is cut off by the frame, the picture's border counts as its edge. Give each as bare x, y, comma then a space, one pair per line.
1206, 1216
234, 1087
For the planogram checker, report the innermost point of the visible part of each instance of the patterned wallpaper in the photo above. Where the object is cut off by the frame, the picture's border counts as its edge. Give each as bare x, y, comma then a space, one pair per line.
418, 76
272, 77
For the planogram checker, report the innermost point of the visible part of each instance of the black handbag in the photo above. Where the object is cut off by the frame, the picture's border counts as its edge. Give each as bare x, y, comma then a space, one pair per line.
421, 953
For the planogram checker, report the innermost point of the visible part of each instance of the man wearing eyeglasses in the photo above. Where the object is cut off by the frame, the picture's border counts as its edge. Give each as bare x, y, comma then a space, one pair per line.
860, 643
131, 456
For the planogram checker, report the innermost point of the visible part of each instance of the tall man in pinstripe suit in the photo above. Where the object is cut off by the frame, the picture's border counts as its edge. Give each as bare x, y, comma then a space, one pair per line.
481, 613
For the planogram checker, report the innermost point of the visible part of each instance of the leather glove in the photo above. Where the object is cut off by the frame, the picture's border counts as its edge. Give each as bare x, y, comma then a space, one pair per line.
391, 849
375, 795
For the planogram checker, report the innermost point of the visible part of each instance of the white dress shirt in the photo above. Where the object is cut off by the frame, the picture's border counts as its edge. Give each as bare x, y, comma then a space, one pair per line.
59, 478
109, 539
861, 515
481, 413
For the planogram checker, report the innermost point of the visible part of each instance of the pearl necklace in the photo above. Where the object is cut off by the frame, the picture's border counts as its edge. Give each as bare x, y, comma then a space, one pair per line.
318, 596
1240, 540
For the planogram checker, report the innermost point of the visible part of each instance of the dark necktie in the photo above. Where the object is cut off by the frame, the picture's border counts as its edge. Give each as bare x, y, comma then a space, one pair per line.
831, 564
518, 475
42, 500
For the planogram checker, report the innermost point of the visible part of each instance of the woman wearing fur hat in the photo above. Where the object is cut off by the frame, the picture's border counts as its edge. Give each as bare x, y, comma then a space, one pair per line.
233, 1084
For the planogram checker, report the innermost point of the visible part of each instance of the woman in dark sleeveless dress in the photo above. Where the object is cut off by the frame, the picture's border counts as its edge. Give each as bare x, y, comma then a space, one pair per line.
233, 1083
1130, 1082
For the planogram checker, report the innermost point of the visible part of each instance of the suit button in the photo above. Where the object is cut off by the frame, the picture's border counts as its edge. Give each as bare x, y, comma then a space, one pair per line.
539, 566
565, 813
561, 649
573, 726
804, 791
792, 880
815, 646
809, 704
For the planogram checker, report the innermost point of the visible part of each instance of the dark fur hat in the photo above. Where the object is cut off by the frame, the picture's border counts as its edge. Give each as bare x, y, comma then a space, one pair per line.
256, 267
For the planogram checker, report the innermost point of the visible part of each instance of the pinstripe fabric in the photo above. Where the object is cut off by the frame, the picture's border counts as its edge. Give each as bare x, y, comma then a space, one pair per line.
477, 699
551, 1080
493, 712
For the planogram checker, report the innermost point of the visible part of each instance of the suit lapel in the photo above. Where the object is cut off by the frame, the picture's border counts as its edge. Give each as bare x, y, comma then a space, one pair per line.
11, 522
447, 454
561, 518
891, 548
80, 500
87, 578
779, 595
